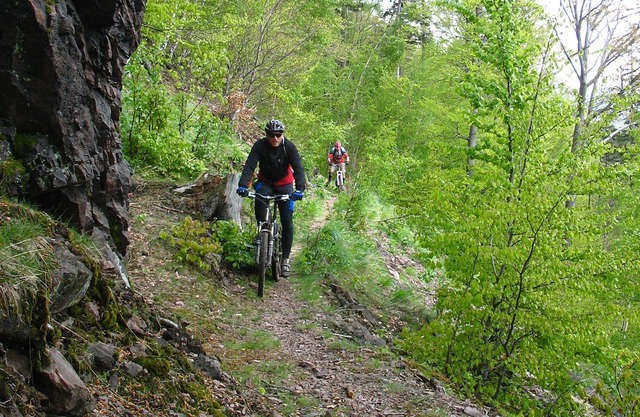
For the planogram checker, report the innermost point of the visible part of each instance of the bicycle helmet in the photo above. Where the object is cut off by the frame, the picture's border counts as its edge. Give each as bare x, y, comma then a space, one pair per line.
274, 126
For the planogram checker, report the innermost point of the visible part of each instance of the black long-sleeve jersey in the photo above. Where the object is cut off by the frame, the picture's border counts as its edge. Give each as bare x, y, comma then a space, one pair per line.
277, 166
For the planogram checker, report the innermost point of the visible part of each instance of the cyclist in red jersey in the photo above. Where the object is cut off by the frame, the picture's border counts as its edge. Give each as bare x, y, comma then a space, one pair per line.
337, 156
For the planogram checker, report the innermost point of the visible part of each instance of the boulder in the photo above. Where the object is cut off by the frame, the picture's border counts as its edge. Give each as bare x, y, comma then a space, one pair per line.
70, 281
61, 67
104, 355
66, 393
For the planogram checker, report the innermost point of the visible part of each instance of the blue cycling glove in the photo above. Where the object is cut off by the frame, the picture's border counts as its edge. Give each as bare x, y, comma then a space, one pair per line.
242, 191
297, 195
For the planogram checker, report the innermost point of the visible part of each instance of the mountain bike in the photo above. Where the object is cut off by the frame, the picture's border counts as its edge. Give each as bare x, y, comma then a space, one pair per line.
268, 245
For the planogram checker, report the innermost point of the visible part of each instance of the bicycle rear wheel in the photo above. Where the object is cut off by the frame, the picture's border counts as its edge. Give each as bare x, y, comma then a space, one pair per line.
262, 264
276, 258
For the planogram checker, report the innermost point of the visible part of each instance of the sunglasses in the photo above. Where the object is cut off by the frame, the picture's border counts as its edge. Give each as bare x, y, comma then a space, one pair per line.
274, 135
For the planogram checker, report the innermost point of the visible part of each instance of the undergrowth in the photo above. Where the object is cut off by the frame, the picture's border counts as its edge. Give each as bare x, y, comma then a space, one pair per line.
346, 251
206, 245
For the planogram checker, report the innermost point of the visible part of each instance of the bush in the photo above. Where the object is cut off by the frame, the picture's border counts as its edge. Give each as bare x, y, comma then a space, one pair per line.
205, 246
194, 243
237, 251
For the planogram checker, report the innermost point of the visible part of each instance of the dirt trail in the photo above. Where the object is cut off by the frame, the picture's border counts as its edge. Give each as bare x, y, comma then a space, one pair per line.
345, 381
339, 376
328, 373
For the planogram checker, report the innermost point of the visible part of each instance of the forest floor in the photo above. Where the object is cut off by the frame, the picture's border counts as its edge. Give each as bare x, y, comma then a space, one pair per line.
281, 355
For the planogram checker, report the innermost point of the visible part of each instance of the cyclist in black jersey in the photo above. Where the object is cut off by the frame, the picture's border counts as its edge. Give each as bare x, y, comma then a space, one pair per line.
280, 171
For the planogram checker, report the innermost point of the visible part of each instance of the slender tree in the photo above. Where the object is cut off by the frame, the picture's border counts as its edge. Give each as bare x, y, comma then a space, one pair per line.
604, 33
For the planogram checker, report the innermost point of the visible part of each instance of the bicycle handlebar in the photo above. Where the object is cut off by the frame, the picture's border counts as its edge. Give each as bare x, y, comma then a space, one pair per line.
277, 197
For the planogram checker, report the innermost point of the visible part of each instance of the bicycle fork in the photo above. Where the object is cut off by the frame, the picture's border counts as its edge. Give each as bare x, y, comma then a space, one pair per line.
270, 250
264, 227
258, 242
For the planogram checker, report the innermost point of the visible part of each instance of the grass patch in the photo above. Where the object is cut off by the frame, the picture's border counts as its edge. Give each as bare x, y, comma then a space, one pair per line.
18, 229
293, 404
394, 387
26, 261
344, 344
347, 252
306, 211
309, 286
264, 376
257, 340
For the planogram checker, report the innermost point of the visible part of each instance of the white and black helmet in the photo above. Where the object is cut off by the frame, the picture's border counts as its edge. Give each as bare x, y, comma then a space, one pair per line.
274, 127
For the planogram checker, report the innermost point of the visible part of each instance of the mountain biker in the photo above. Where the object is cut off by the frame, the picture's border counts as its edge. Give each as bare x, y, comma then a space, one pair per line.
280, 167
337, 156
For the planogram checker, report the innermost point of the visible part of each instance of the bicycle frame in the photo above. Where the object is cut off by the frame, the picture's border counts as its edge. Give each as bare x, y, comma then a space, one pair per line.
268, 251
339, 176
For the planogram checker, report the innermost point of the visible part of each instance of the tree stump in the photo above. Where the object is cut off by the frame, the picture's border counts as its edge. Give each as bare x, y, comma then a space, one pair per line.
215, 197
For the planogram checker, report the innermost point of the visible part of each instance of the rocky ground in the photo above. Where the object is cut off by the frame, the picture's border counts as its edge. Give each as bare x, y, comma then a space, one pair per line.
280, 355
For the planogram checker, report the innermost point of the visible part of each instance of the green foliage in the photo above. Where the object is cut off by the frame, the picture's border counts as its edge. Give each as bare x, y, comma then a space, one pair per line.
344, 253
530, 292
363, 211
156, 365
173, 133
272, 44
169, 92
236, 249
149, 139
310, 208
414, 22
339, 253
517, 305
184, 41
194, 243
334, 248
623, 393
193, 57
205, 246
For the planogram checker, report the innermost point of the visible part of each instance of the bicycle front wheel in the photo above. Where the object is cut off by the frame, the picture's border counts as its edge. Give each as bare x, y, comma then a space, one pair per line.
263, 262
276, 258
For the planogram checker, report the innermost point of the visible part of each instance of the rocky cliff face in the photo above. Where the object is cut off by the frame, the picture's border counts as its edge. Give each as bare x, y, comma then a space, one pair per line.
61, 66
